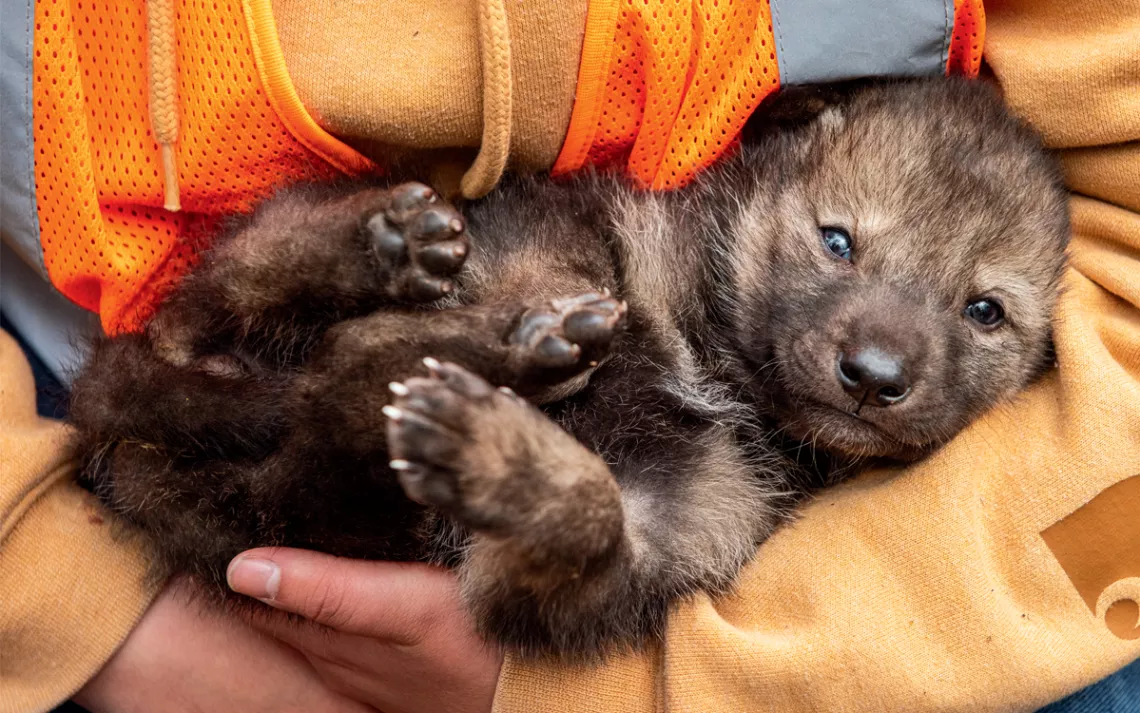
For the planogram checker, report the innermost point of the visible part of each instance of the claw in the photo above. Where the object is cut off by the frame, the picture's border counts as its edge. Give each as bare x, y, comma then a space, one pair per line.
443, 257
557, 351
406, 198
425, 288
432, 221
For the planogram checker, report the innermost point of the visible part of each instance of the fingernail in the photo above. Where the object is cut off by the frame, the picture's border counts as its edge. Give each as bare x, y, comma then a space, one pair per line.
254, 577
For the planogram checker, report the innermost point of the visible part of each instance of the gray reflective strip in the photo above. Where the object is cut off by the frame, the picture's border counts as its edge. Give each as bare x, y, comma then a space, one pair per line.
833, 40
58, 331
19, 225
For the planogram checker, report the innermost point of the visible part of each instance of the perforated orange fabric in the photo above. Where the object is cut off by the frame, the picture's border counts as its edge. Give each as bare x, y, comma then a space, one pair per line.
666, 85
108, 244
969, 36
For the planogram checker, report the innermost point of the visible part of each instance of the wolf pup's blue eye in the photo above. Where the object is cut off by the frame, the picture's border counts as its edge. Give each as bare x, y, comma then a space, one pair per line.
837, 241
987, 313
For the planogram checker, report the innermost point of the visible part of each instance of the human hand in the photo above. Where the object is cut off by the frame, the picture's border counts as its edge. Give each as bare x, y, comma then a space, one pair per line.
394, 635
182, 657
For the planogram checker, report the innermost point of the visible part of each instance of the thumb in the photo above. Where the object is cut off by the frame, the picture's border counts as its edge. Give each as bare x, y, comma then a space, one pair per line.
397, 601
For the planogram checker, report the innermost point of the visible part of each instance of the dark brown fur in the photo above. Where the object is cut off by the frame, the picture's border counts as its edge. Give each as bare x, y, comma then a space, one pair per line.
666, 336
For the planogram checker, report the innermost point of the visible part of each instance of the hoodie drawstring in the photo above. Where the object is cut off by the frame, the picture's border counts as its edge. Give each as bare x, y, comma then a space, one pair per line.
495, 39
480, 177
163, 67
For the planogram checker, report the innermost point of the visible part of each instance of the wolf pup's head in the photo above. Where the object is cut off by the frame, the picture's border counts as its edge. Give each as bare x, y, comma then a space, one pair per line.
899, 266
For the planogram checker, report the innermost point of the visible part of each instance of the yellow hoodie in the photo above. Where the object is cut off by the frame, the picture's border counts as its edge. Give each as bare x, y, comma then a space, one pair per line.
998, 575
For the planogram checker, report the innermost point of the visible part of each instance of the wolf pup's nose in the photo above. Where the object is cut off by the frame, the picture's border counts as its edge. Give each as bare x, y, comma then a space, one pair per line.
872, 376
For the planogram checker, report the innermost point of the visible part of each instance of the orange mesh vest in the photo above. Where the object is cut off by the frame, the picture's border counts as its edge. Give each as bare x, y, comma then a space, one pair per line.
107, 242
664, 88
665, 85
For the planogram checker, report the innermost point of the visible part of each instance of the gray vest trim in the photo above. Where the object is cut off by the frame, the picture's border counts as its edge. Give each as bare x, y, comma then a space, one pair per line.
833, 40
19, 223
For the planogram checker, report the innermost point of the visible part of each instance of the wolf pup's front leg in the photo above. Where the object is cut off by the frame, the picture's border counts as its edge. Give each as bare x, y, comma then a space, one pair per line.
308, 258
563, 560
545, 511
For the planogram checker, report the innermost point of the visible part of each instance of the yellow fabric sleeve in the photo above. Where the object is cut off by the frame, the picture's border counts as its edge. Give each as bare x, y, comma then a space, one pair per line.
933, 588
70, 589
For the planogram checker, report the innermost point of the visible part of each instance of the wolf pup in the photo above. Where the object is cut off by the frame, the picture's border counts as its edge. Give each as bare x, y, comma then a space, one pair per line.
868, 280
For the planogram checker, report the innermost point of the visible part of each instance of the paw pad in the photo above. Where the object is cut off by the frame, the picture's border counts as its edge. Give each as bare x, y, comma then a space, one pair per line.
576, 331
421, 242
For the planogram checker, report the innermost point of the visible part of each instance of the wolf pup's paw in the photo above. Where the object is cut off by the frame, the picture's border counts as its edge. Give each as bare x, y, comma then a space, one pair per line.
420, 241
436, 449
490, 460
570, 334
